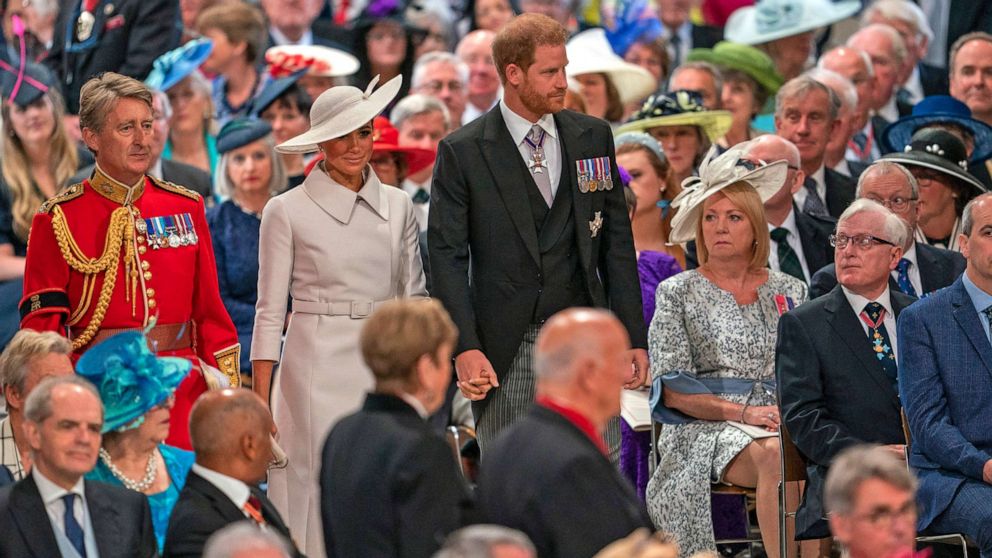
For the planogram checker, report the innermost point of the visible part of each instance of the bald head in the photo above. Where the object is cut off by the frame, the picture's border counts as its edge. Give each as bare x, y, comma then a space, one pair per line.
770, 148
855, 65
226, 428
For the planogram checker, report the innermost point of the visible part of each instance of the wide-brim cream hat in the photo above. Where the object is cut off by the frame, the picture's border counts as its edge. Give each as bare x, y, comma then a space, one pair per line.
590, 53
340, 111
769, 20
715, 174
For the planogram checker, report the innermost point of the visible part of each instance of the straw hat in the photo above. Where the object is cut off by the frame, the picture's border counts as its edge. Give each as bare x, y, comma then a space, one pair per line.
590, 53
678, 108
340, 111
768, 20
715, 174
941, 151
939, 109
744, 58
318, 60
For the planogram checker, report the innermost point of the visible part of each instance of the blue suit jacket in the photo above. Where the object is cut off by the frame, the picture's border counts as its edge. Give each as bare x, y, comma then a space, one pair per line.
945, 383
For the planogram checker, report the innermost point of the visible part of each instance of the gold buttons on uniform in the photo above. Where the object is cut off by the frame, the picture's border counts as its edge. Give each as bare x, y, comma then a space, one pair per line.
145, 265
152, 303
150, 291
148, 275
142, 249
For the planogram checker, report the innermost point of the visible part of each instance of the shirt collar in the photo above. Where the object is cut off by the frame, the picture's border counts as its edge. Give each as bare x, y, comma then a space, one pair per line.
113, 190
911, 254
979, 298
820, 176
859, 302
51, 492
789, 224
235, 490
339, 201
156, 169
577, 419
415, 403
279, 39
519, 126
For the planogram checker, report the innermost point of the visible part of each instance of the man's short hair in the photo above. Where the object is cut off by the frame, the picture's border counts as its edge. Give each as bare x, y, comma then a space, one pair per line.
895, 228
38, 405
899, 50
239, 22
845, 90
517, 42
402, 331
240, 414
99, 96
801, 86
963, 40
900, 10
702, 66
243, 537
438, 57
559, 362
882, 168
968, 217
858, 464
24, 347
418, 104
477, 541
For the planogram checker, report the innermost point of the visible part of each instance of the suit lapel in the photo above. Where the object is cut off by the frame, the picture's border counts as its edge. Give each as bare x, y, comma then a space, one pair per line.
811, 240
931, 272
575, 137
500, 153
31, 517
845, 324
104, 519
218, 500
968, 320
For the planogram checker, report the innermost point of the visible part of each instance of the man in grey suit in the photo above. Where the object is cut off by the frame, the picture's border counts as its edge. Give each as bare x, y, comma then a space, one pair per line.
945, 384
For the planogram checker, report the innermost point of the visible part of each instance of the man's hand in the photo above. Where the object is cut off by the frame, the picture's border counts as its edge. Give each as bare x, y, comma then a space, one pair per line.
638, 367
475, 374
898, 449
987, 472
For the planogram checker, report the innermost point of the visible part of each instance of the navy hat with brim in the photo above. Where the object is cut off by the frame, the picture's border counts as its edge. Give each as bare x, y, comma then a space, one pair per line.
273, 90
24, 89
175, 65
130, 378
240, 132
939, 109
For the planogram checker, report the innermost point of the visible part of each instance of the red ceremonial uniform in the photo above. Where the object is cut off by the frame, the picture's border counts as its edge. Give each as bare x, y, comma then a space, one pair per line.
152, 240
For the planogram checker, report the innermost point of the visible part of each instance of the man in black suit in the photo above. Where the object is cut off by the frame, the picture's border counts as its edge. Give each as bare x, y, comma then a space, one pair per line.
806, 112
835, 359
171, 171
548, 474
800, 242
123, 36
968, 16
389, 485
681, 34
528, 199
64, 417
229, 430
927, 268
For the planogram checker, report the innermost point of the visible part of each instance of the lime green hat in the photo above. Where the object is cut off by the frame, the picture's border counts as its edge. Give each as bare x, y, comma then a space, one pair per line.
744, 58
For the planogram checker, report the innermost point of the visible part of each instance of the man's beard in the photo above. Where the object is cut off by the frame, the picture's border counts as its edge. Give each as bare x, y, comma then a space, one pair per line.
537, 103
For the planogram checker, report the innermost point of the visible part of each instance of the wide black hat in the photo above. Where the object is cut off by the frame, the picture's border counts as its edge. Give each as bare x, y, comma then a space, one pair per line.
941, 151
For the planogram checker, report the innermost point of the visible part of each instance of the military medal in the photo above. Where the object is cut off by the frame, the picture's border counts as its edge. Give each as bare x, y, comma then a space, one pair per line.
188, 220
86, 20
537, 160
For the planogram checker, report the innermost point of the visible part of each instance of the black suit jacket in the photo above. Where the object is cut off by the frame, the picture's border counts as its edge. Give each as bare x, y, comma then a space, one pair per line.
202, 510
938, 269
121, 518
704, 36
933, 79
833, 392
5, 477
480, 220
967, 16
546, 478
840, 191
389, 485
172, 171
128, 35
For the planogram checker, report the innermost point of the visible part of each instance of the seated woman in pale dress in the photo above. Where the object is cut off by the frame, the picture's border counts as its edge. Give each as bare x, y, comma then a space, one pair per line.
339, 245
712, 345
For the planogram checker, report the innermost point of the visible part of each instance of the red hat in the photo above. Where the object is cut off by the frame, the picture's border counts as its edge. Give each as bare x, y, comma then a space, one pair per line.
385, 138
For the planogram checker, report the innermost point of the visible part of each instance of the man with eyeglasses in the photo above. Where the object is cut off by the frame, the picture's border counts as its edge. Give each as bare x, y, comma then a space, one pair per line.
444, 76
870, 497
945, 385
922, 269
835, 360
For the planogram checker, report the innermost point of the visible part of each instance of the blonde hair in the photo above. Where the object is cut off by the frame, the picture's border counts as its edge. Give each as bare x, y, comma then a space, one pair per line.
277, 182
99, 95
746, 199
24, 347
25, 197
401, 332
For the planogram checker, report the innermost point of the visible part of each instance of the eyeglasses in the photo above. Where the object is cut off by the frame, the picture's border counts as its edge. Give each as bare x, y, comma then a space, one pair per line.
897, 203
863, 241
438, 86
883, 518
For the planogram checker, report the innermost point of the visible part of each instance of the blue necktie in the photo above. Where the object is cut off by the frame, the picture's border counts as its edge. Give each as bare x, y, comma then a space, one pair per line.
905, 285
73, 530
813, 204
874, 316
421, 197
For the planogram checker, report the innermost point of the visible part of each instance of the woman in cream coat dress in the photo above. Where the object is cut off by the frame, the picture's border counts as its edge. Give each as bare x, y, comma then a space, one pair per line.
340, 245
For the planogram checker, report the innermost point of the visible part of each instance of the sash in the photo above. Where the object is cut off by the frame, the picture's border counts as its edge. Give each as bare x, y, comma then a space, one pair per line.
683, 382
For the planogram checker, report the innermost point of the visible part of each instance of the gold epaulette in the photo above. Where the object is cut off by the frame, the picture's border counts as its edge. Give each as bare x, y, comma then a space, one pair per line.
70, 193
175, 188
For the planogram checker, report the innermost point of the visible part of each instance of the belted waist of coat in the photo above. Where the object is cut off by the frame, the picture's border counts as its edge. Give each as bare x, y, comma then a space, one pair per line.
683, 382
356, 309
161, 338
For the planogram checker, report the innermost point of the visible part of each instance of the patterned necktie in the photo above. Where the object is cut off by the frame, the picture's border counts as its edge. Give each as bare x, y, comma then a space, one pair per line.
861, 140
905, 285
253, 507
73, 530
813, 204
788, 261
988, 317
537, 164
874, 316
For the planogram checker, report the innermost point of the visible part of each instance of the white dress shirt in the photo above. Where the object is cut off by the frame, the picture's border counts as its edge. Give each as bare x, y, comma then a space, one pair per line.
821, 188
472, 112
420, 210
793, 241
519, 127
236, 491
279, 39
859, 302
889, 110
913, 271
51, 495
875, 151
915, 86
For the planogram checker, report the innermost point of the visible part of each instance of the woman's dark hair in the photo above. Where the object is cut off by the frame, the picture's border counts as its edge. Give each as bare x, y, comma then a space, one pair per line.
364, 75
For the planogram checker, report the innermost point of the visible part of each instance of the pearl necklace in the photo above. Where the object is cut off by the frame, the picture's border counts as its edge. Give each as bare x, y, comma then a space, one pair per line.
151, 471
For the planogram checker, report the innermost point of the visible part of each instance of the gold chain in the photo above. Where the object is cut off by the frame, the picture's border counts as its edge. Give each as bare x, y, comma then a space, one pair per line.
120, 230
